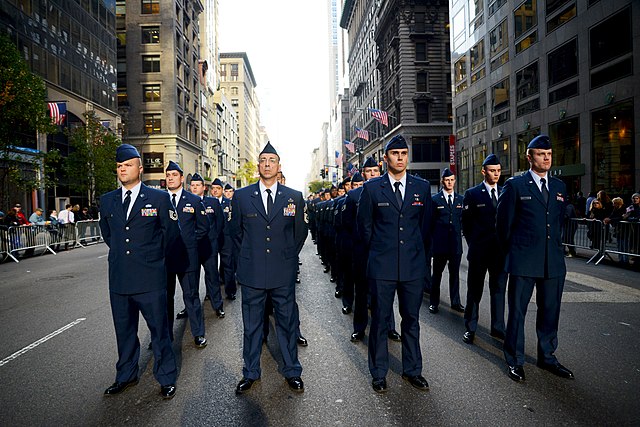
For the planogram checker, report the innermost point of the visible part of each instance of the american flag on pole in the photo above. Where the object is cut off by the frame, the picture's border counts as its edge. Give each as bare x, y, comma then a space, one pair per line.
362, 133
58, 112
338, 157
350, 146
380, 116
351, 169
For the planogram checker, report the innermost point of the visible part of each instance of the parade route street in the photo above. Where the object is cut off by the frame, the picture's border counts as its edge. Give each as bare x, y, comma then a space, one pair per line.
58, 355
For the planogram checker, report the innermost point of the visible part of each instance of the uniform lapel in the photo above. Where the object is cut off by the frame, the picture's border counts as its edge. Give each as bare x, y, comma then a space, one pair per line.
117, 205
533, 188
408, 193
388, 191
279, 202
137, 204
256, 200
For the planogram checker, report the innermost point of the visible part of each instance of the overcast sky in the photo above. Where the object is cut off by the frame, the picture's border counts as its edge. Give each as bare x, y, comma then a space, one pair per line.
287, 45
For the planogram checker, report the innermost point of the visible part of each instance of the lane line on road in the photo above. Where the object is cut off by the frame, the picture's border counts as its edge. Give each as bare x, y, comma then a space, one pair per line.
40, 341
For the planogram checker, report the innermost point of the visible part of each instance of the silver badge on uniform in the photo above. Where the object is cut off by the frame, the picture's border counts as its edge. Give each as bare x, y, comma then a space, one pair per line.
173, 214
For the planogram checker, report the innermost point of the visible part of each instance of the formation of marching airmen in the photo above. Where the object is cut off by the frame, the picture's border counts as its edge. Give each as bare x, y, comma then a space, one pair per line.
376, 235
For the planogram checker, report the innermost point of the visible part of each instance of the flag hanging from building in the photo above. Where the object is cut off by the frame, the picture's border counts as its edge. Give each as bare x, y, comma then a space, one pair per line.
380, 116
362, 133
350, 146
58, 112
350, 169
338, 157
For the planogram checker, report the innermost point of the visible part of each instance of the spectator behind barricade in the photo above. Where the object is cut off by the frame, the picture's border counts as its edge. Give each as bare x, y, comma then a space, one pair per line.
53, 217
569, 229
580, 204
11, 218
36, 217
587, 206
620, 230
94, 211
66, 216
83, 215
595, 227
632, 213
22, 218
1, 218
605, 201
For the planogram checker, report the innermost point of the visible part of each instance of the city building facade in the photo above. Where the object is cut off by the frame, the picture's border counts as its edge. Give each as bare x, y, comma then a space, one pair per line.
227, 140
565, 68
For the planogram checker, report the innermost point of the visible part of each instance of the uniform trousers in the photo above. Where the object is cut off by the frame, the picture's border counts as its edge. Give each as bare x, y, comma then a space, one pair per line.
125, 310
253, 309
497, 289
227, 266
409, 301
212, 280
548, 300
439, 262
189, 282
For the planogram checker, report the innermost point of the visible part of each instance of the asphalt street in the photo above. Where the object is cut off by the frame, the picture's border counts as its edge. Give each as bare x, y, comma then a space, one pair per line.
58, 354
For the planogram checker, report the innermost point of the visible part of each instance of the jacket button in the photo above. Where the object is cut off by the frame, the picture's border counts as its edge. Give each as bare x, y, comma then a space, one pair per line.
268, 239
128, 252
268, 227
268, 251
401, 229
402, 242
401, 216
126, 228
126, 240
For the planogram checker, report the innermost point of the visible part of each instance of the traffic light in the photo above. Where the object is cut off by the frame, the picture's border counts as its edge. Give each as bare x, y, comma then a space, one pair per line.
322, 175
326, 172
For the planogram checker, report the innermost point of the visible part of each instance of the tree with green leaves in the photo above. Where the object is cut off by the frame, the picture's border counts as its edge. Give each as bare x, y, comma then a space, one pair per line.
315, 186
90, 164
23, 114
248, 173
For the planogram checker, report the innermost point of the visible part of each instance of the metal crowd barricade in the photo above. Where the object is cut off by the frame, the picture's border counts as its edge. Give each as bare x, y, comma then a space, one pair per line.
26, 239
63, 234
623, 239
586, 234
88, 232
5, 247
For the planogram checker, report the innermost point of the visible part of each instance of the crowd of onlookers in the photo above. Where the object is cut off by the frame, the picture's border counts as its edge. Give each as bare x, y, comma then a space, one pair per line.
72, 213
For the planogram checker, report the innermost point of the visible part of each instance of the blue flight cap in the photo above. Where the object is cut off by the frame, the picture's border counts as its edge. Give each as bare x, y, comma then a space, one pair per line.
228, 187
396, 143
268, 149
217, 182
446, 172
341, 185
542, 142
196, 177
173, 166
491, 159
125, 152
370, 163
357, 177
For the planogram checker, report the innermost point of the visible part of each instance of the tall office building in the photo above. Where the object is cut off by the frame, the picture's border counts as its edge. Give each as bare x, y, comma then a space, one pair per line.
159, 93
238, 84
226, 133
564, 68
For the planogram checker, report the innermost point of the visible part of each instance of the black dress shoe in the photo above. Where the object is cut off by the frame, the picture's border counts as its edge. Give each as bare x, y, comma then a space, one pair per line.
357, 336
302, 341
182, 315
295, 384
417, 381
298, 279
468, 337
245, 385
379, 385
393, 335
497, 334
433, 309
458, 307
220, 313
346, 310
332, 279
326, 270
516, 373
168, 391
231, 297
200, 341
117, 388
557, 369
338, 294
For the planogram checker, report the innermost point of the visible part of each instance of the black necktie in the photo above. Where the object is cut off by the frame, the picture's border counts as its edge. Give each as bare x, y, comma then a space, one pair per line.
173, 200
545, 192
126, 203
494, 199
450, 201
398, 193
269, 202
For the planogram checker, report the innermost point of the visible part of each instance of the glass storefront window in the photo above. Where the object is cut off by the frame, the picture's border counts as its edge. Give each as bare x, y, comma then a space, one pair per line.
565, 137
522, 140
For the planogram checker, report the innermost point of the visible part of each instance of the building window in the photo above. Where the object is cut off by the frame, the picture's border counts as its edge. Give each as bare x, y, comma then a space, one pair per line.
422, 112
500, 95
479, 107
526, 42
563, 92
553, 5
234, 102
421, 51
527, 81
151, 93
566, 15
501, 149
429, 149
234, 72
610, 48
562, 63
151, 35
462, 116
460, 69
566, 141
152, 123
523, 139
150, 7
234, 90
151, 63
525, 17
477, 56
421, 82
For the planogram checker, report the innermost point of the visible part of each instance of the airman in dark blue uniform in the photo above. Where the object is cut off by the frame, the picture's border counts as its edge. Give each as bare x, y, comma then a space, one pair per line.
138, 224
529, 225
269, 231
225, 243
394, 216
479, 228
447, 242
183, 260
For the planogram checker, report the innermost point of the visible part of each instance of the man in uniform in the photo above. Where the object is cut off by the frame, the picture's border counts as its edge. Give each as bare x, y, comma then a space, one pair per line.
228, 191
183, 260
269, 231
447, 242
479, 227
138, 225
225, 244
208, 252
394, 215
529, 226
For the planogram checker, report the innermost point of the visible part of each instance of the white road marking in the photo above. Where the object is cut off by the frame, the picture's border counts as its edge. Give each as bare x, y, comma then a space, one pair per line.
102, 256
607, 291
40, 341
